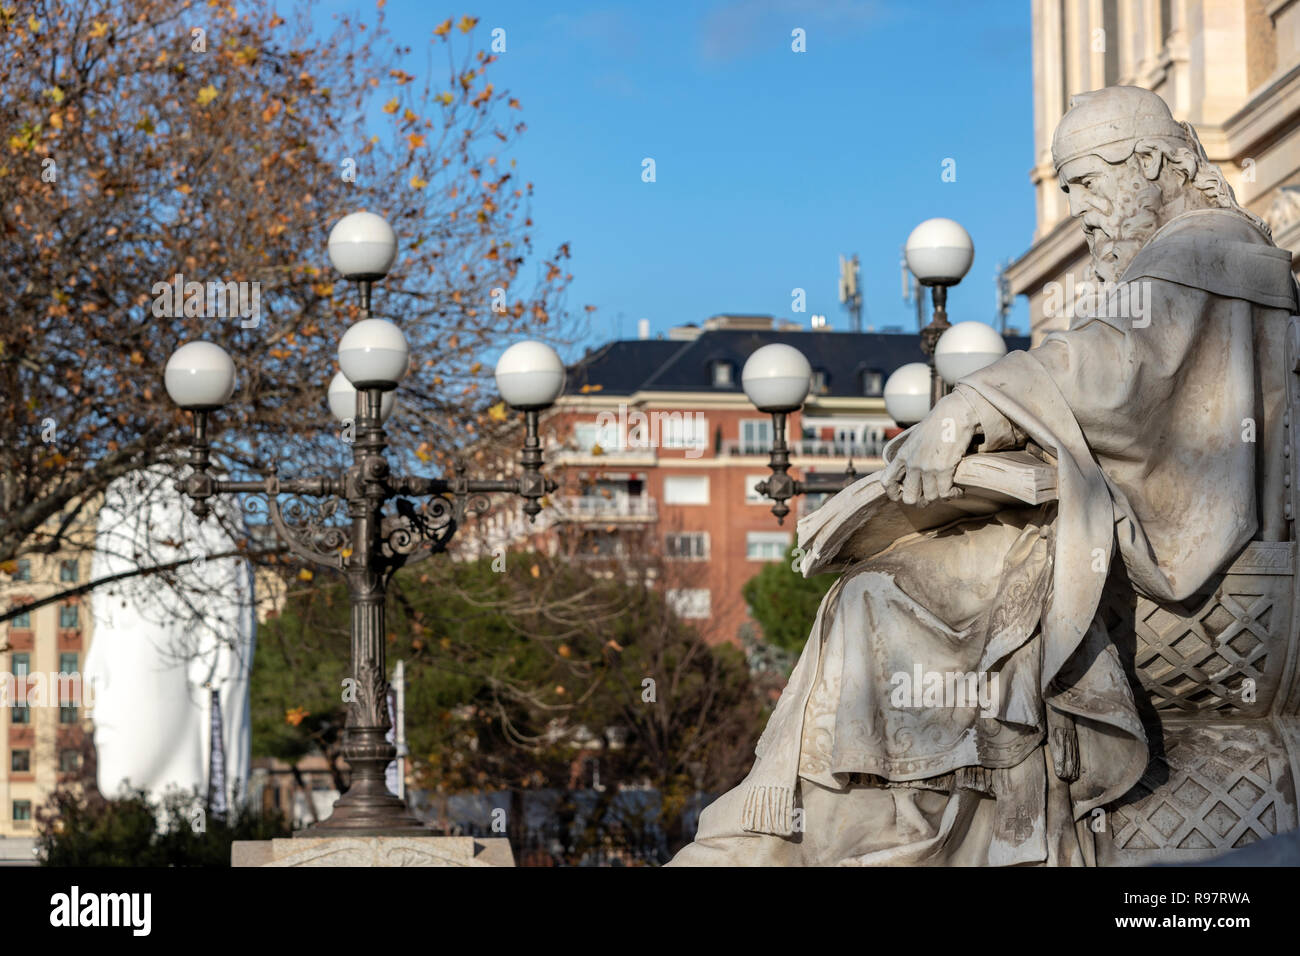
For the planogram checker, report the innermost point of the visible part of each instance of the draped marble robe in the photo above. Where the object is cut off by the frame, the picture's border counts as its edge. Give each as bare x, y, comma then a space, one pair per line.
1144, 417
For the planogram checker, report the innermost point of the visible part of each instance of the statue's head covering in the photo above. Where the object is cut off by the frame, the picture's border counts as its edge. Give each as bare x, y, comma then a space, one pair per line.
1109, 122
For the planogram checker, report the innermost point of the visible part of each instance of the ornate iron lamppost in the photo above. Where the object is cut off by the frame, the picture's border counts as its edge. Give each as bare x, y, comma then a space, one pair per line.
776, 378
373, 544
939, 253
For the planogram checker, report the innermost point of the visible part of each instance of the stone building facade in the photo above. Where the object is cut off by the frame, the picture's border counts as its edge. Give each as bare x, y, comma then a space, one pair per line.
1231, 68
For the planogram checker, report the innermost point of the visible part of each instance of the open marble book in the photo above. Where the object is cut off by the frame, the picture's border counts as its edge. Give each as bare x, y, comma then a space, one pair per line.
861, 520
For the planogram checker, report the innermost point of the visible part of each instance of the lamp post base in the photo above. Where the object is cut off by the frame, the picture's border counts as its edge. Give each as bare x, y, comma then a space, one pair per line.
368, 815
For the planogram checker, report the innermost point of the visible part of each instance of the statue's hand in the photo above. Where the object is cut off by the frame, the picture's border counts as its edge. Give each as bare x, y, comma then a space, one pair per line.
922, 469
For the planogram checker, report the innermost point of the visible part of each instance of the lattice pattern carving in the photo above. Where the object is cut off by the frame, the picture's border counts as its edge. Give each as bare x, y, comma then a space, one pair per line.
1198, 657
1218, 787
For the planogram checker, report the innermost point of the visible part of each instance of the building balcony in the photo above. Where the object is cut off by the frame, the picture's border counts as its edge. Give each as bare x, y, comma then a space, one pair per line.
613, 509
808, 448
599, 455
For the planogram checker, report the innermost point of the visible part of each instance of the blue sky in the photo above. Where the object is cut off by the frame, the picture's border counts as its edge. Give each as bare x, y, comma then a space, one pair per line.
769, 163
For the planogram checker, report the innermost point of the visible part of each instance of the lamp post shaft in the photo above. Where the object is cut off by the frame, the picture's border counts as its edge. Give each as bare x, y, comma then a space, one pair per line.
368, 808
930, 336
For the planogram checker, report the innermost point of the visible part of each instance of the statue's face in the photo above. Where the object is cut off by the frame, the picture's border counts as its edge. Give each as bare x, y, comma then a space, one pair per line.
1118, 206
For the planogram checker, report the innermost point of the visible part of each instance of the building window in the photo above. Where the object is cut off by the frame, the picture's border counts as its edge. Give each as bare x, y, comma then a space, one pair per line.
68, 713
68, 663
873, 382
686, 489
820, 382
682, 430
691, 546
766, 545
20, 761
692, 604
24, 572
22, 666
752, 497
68, 570
68, 616
590, 435
756, 436
69, 761
722, 375
22, 811
21, 622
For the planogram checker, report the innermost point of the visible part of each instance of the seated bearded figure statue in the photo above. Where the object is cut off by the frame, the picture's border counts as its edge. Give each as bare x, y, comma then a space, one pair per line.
1142, 414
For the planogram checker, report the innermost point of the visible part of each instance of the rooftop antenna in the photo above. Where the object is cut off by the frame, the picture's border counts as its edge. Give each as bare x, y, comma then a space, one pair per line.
851, 290
1004, 296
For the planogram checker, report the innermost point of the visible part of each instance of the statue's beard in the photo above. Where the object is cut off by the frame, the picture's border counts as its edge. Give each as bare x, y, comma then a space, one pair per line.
1115, 239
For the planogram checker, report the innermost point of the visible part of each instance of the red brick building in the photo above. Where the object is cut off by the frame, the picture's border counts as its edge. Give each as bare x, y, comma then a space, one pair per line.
657, 447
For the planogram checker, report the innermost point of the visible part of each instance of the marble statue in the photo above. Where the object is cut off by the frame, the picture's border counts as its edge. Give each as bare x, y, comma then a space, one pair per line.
169, 663
1165, 406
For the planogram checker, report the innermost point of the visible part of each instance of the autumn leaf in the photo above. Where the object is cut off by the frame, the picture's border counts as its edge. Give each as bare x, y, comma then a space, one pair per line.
206, 95
55, 94
443, 28
444, 99
99, 29
564, 651
467, 23
535, 571
414, 141
295, 716
33, 24
497, 412
418, 183
305, 574
391, 106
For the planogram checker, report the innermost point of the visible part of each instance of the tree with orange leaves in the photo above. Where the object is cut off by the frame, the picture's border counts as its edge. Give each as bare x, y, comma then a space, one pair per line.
146, 143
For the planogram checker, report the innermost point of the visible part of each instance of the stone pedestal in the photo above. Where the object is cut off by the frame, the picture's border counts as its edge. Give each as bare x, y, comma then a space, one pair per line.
374, 851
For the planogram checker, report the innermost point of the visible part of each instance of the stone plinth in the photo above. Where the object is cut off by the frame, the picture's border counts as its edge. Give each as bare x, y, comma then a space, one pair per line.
373, 851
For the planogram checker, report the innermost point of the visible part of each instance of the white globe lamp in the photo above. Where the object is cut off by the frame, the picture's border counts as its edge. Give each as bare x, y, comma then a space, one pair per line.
965, 348
907, 393
200, 376
939, 252
362, 246
776, 378
373, 354
530, 376
342, 396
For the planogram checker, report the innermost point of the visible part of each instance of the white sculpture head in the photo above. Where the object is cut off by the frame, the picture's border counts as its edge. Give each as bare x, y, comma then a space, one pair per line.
1129, 167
